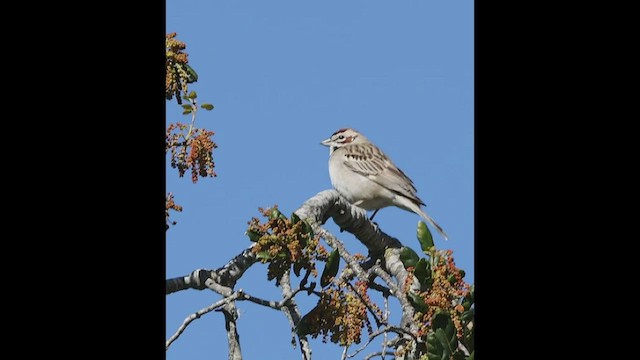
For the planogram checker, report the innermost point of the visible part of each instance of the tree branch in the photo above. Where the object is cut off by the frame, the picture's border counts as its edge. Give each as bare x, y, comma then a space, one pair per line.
197, 315
221, 280
384, 262
230, 316
317, 210
379, 353
292, 312
373, 335
329, 203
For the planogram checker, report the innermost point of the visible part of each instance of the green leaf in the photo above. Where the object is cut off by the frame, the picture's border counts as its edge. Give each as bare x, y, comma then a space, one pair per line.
264, 255
308, 229
408, 257
467, 315
471, 356
207, 106
442, 337
294, 218
445, 330
423, 274
275, 213
417, 302
297, 266
440, 320
187, 107
436, 350
193, 76
425, 238
459, 355
186, 112
330, 269
192, 95
468, 328
304, 326
253, 236
468, 299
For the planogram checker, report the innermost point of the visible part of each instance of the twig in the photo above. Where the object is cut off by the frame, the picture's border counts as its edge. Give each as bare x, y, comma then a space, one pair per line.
194, 109
276, 305
198, 314
377, 354
293, 314
379, 332
366, 303
386, 318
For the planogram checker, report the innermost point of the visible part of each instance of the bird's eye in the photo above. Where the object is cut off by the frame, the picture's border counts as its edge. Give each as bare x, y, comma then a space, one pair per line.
341, 137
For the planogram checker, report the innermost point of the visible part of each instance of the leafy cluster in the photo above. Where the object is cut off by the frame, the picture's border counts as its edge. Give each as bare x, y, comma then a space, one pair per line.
191, 147
178, 73
446, 290
444, 304
171, 205
339, 316
283, 243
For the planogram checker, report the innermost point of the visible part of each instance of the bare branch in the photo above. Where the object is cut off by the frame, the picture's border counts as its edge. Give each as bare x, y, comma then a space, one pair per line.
337, 244
381, 354
229, 274
329, 203
221, 280
292, 312
230, 316
382, 331
270, 303
386, 318
198, 314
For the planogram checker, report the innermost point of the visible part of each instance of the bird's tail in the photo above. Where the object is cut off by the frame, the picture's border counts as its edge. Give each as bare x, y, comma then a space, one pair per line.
433, 223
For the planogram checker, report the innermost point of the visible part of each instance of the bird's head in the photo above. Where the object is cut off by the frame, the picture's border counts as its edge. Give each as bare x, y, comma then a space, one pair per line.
344, 137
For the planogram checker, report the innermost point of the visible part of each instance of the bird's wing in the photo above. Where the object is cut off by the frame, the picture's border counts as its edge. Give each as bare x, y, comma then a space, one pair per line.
376, 166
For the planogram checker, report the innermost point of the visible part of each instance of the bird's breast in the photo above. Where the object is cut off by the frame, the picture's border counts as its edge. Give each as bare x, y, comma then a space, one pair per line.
357, 188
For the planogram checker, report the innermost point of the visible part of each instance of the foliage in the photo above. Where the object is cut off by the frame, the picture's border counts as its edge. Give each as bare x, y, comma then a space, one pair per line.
444, 305
283, 243
178, 73
190, 148
171, 205
340, 315
193, 150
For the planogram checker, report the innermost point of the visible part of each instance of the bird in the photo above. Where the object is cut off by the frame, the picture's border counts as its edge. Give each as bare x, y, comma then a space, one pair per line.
367, 178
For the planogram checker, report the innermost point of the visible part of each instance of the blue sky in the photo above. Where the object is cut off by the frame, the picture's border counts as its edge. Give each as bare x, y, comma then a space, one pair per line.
283, 76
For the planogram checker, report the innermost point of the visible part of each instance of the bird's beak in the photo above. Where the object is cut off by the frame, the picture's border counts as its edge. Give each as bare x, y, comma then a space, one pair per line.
326, 142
